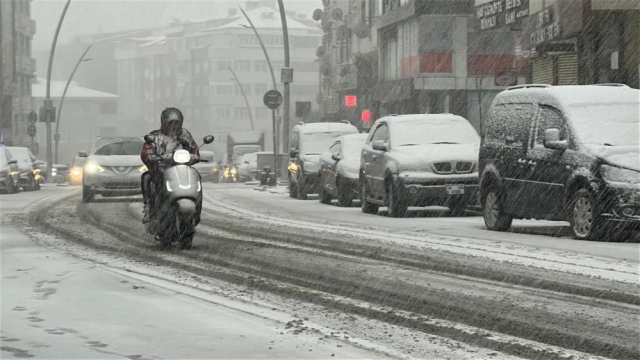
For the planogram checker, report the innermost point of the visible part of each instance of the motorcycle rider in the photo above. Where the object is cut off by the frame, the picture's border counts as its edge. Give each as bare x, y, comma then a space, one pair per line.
170, 136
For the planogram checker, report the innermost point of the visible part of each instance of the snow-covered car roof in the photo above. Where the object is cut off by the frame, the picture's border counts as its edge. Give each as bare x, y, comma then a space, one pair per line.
324, 127
569, 95
395, 119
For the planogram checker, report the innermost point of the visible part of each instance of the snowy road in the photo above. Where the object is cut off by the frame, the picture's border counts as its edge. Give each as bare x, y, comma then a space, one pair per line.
94, 306
417, 288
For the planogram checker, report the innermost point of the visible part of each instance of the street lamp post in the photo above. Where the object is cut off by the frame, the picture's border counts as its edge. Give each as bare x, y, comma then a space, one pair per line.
56, 136
246, 100
264, 49
287, 99
47, 103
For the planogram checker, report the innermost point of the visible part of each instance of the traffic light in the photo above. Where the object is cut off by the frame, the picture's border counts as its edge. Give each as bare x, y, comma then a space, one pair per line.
366, 115
31, 130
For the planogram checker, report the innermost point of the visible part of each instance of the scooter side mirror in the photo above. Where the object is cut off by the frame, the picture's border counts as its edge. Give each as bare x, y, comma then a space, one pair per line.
208, 139
149, 139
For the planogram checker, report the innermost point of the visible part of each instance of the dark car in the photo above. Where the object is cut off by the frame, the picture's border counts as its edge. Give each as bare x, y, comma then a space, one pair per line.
569, 153
9, 172
340, 169
308, 142
419, 160
29, 173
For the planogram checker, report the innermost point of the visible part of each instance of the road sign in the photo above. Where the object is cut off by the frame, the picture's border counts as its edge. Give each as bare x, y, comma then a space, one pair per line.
33, 117
351, 101
43, 114
31, 130
272, 99
286, 75
48, 104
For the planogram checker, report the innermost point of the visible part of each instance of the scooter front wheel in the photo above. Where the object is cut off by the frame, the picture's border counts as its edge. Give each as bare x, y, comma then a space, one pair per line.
185, 229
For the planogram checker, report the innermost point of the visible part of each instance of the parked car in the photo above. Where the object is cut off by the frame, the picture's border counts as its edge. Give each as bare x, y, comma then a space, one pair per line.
308, 142
113, 168
29, 173
567, 153
248, 167
75, 174
9, 172
209, 171
340, 170
419, 160
59, 172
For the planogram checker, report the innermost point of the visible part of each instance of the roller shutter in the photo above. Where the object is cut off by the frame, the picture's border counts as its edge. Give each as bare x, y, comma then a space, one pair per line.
568, 69
542, 71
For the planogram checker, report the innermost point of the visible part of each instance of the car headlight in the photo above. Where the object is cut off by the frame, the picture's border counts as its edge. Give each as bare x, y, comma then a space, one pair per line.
620, 175
93, 168
143, 168
181, 157
215, 170
310, 167
76, 172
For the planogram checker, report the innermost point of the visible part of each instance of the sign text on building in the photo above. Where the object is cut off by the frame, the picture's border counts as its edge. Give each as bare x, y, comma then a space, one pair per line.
500, 13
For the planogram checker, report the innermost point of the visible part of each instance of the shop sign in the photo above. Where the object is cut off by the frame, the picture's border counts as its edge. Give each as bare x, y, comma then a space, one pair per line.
547, 27
501, 13
506, 77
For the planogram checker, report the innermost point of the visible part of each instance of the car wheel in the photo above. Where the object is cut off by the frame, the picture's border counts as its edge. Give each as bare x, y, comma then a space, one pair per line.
585, 222
396, 203
302, 190
324, 196
494, 217
365, 205
87, 194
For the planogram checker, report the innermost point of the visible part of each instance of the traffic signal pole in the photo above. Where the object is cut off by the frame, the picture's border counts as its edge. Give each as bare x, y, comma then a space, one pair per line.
287, 93
48, 105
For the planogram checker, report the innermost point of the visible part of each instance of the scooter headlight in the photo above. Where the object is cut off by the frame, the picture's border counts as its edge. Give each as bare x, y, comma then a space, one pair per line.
181, 157
143, 168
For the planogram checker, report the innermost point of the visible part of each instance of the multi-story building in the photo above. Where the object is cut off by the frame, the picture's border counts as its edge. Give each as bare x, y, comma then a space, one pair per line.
348, 57
18, 68
187, 65
86, 113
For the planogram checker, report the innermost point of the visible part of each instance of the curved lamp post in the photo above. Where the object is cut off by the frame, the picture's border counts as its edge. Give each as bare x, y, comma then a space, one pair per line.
56, 136
246, 100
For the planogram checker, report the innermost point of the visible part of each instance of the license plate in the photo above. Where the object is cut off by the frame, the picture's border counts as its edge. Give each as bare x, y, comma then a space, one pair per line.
455, 189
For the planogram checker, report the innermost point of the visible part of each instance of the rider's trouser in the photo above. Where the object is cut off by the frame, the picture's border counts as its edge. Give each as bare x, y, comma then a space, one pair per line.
145, 181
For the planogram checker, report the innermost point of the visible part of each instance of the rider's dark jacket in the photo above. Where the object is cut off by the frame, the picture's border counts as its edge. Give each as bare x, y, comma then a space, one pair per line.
164, 145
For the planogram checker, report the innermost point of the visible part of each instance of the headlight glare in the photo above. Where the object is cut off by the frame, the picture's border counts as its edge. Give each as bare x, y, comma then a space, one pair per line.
143, 168
181, 157
93, 168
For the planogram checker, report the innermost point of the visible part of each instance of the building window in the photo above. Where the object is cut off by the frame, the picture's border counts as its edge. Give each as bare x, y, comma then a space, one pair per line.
261, 89
245, 87
108, 108
241, 113
224, 90
242, 65
205, 66
83, 109
261, 113
63, 136
261, 66
224, 65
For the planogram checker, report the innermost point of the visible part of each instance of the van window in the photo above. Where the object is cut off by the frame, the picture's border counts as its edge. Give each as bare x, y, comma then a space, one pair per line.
335, 148
381, 134
548, 118
294, 141
509, 120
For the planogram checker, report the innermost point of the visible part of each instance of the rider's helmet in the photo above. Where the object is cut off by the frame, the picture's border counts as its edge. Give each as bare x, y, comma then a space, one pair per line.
171, 120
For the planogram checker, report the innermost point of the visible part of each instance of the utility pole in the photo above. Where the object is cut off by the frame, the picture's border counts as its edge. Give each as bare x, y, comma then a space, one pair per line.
48, 105
246, 100
56, 136
287, 99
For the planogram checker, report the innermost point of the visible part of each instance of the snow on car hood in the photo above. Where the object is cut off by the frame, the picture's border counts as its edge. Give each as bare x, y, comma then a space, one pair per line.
626, 156
418, 157
349, 167
116, 160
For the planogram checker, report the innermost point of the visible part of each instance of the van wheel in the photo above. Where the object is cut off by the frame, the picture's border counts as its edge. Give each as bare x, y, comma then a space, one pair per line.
365, 205
494, 217
585, 222
87, 194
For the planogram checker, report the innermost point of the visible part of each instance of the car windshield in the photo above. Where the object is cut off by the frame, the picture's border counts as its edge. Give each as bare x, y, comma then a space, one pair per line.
445, 131
317, 143
130, 147
621, 127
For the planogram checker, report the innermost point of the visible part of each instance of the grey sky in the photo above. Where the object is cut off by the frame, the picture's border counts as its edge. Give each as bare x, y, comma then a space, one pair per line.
96, 16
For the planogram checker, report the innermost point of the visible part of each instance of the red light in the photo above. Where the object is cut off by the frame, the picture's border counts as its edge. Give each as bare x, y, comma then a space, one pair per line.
366, 115
351, 100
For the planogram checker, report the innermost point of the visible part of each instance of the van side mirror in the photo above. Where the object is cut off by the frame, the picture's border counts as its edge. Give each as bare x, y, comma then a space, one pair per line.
12, 162
83, 153
335, 157
293, 153
149, 139
379, 145
552, 140
208, 139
